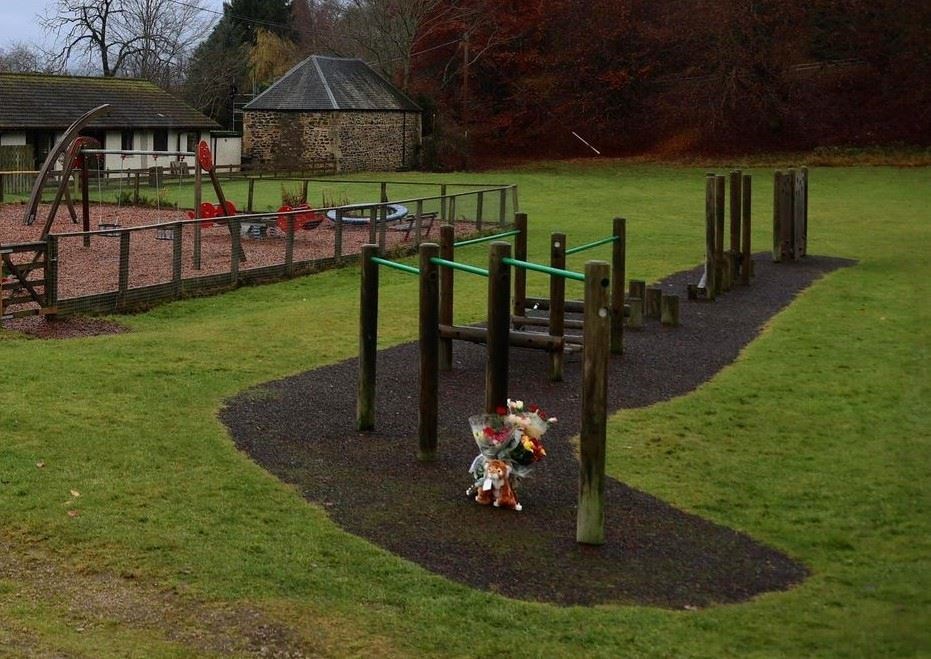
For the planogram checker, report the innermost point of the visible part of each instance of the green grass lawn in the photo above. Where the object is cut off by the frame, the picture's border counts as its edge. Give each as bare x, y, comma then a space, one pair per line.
816, 441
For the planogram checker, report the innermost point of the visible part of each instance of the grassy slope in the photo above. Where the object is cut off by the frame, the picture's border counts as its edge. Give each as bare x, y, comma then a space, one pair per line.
815, 441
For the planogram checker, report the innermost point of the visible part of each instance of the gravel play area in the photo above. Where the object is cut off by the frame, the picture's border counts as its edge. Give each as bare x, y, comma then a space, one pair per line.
302, 430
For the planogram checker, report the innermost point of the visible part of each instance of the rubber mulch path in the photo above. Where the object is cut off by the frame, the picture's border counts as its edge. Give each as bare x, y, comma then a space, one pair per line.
302, 430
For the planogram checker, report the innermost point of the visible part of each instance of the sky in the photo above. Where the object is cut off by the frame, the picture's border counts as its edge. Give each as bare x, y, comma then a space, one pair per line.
19, 23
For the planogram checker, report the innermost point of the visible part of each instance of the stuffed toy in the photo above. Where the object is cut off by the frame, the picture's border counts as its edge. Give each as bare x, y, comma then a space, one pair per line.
496, 487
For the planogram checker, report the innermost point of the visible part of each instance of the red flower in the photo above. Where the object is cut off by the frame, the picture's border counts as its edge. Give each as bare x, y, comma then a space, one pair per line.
501, 410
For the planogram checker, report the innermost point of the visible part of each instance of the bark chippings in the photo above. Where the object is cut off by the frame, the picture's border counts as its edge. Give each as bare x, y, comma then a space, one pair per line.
302, 429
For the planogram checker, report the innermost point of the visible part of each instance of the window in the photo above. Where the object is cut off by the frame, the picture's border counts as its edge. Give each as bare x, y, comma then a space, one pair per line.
192, 142
126, 140
160, 139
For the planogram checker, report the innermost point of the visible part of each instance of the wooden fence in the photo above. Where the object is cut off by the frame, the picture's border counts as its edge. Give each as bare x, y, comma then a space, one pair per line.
16, 164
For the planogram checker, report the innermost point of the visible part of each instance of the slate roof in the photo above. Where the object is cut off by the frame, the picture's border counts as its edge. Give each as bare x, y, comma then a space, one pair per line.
332, 83
49, 101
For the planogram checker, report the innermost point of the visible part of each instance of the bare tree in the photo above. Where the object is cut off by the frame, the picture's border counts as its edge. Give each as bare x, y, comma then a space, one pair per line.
148, 38
22, 58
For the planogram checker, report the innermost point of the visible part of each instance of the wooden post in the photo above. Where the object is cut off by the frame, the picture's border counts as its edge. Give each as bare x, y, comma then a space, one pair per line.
304, 190
447, 251
805, 212
557, 303
637, 288
499, 323
652, 302
338, 238
670, 311
777, 215
786, 213
373, 225
735, 198
503, 207
85, 199
197, 201
514, 201
520, 253
51, 275
635, 319
798, 214
251, 197
384, 192
592, 440
418, 222
177, 233
235, 249
618, 273
746, 259
443, 203
368, 340
383, 227
710, 269
123, 285
289, 246
429, 353
719, 196
136, 187
1, 201
479, 210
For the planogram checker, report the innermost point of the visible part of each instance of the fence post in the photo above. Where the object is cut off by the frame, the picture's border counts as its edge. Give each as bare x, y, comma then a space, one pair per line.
124, 269
746, 261
197, 227
479, 209
177, 234
447, 251
798, 214
304, 190
1, 187
652, 302
429, 353
289, 246
777, 214
251, 197
384, 192
418, 223
368, 340
520, 275
499, 324
557, 303
136, 189
710, 274
383, 227
338, 238
595, 351
51, 275
669, 314
514, 201
502, 207
443, 202
805, 212
373, 225
236, 250
618, 273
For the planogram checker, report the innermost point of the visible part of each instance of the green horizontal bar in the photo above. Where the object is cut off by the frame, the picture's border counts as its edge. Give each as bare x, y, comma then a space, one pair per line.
596, 243
485, 239
460, 266
567, 274
397, 266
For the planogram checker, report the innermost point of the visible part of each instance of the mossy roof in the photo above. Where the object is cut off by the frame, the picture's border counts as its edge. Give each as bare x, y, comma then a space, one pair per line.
35, 101
332, 83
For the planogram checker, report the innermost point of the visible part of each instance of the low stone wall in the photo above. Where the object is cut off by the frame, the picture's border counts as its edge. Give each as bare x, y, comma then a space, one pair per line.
356, 140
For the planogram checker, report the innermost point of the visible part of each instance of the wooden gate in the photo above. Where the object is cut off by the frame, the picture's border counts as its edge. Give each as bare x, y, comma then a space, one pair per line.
26, 280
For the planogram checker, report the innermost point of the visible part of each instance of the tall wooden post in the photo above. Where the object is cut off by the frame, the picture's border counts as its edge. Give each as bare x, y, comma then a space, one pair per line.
85, 199
805, 212
443, 202
289, 245
735, 199
502, 207
235, 249
305, 190
368, 340
710, 268
777, 198
177, 234
418, 222
618, 273
51, 275
338, 237
719, 196
557, 303
384, 192
595, 351
479, 210
520, 275
197, 201
429, 352
499, 324
251, 197
383, 226
798, 214
787, 216
746, 261
447, 251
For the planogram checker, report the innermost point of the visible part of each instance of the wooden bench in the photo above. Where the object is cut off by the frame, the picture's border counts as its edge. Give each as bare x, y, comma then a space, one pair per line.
409, 223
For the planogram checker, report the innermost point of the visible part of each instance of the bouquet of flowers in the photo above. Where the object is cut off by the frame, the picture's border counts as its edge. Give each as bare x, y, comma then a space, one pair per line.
512, 435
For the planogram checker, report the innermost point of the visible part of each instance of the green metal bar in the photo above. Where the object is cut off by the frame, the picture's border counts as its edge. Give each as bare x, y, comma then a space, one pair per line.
596, 243
460, 266
485, 239
397, 266
568, 274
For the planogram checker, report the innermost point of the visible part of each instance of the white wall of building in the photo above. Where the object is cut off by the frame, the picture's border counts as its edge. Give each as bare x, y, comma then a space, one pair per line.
12, 139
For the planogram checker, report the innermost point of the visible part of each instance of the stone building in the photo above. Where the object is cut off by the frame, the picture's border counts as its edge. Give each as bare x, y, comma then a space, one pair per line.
336, 111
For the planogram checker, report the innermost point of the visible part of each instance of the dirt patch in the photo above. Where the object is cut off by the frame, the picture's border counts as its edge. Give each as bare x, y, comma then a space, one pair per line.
302, 430
98, 600
65, 327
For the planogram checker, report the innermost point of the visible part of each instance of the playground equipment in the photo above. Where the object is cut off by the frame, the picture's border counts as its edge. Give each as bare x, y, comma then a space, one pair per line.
596, 353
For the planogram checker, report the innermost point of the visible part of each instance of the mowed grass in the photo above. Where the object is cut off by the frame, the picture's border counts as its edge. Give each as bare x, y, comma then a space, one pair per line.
816, 441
